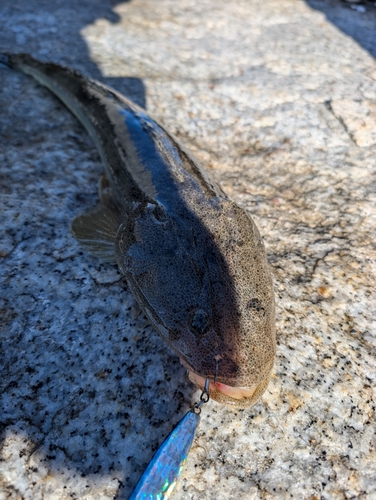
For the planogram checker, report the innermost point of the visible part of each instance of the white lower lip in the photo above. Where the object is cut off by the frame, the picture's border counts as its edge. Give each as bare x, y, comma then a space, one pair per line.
232, 392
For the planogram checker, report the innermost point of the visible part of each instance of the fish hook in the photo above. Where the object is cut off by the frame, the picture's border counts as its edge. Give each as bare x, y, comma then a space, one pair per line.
204, 398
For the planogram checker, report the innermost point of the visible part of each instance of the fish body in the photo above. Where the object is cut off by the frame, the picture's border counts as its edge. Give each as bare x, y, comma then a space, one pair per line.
194, 260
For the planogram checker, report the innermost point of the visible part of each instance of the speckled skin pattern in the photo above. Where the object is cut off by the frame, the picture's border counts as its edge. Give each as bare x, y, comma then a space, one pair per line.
276, 99
194, 260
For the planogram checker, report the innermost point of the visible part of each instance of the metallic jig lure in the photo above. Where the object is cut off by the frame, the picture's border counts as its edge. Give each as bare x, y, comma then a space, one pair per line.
164, 469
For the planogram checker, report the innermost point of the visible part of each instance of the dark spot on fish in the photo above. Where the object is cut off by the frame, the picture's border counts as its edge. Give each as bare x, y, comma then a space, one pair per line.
256, 308
255, 304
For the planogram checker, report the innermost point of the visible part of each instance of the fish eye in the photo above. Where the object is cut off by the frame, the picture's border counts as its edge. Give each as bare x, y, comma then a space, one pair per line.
199, 323
159, 213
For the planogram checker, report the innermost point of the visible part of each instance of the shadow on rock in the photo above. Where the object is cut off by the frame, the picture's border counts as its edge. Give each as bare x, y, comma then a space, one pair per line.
80, 396
51, 30
355, 20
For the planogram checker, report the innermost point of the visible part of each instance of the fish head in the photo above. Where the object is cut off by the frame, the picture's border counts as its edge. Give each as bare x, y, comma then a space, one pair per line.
203, 279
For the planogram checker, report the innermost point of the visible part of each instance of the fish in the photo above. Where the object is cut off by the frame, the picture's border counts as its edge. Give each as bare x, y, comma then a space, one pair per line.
194, 260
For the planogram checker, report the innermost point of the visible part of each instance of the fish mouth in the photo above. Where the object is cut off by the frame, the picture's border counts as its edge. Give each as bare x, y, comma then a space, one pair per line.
238, 397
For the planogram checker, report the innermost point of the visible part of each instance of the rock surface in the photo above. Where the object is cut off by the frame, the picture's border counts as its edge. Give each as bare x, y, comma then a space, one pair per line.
279, 104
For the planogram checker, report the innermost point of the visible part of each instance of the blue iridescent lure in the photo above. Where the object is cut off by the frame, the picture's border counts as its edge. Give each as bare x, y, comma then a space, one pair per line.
162, 473
164, 469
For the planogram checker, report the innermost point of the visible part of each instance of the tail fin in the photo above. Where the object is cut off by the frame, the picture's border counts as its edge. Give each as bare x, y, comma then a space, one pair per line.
68, 85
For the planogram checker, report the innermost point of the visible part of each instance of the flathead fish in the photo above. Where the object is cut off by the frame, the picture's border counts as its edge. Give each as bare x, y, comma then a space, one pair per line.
193, 258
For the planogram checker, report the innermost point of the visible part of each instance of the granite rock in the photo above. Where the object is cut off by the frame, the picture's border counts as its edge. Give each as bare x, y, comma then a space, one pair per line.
279, 105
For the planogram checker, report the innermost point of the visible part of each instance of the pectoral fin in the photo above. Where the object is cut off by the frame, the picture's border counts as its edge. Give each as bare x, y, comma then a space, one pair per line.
96, 230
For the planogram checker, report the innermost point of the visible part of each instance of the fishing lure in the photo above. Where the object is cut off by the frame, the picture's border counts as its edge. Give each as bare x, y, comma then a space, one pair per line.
161, 475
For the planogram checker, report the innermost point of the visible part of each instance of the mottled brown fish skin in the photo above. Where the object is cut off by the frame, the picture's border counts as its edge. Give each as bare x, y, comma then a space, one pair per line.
194, 259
